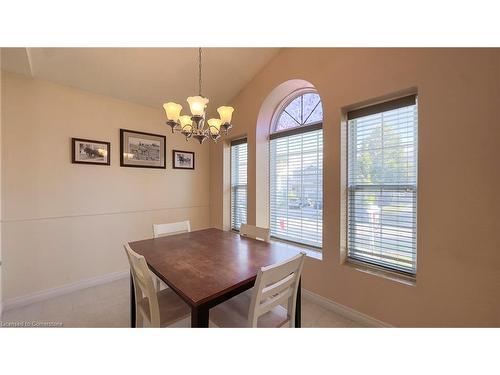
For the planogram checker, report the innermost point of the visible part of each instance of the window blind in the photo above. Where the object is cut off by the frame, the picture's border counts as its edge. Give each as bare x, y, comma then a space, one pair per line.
296, 186
238, 183
382, 185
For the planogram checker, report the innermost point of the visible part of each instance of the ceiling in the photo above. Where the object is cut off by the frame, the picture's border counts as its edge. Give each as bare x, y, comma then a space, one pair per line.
149, 76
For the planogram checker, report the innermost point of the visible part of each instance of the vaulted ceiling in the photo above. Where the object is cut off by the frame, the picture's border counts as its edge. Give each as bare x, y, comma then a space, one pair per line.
149, 76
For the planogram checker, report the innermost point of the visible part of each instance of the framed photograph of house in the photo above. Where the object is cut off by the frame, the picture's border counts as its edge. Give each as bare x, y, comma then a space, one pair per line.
87, 151
142, 150
182, 159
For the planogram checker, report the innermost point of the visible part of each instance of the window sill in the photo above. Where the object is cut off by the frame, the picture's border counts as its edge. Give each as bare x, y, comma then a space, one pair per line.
310, 253
376, 271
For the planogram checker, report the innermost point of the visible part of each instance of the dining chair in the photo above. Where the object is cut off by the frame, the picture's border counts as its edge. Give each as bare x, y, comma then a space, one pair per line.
254, 232
169, 229
275, 286
257, 233
159, 309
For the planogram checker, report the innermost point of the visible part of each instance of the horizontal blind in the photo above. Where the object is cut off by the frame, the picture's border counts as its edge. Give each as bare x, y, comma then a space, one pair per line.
238, 183
296, 187
382, 188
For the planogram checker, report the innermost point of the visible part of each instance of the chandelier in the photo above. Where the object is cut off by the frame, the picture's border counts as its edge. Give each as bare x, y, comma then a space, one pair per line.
194, 126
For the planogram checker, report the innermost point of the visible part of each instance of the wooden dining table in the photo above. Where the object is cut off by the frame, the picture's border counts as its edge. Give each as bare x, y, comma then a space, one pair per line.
210, 266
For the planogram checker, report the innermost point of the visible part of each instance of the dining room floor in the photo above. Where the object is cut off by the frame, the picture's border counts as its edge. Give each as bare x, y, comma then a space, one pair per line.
107, 305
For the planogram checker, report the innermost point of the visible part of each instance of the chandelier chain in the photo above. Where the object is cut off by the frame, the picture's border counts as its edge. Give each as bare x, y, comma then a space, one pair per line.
199, 71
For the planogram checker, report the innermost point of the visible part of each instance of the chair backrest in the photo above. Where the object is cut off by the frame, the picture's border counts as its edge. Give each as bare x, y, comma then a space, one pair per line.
160, 230
143, 284
255, 232
274, 285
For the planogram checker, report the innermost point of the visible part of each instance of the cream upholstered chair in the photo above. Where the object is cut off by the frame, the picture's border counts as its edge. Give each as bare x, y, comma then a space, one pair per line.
275, 285
254, 232
159, 309
169, 229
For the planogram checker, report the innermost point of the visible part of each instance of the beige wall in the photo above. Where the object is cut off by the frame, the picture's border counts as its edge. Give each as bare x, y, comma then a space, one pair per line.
66, 222
458, 279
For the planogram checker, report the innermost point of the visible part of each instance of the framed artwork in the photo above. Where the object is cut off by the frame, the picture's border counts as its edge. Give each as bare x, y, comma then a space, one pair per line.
87, 151
182, 159
142, 150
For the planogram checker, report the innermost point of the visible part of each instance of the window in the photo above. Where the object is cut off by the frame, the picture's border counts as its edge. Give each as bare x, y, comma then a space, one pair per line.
238, 183
296, 172
382, 185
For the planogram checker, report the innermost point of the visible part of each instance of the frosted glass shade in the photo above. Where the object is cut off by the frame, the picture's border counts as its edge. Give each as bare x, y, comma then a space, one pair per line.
214, 125
172, 110
197, 105
225, 113
186, 123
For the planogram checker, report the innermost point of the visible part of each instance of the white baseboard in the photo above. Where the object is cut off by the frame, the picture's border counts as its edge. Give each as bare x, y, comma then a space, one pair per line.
62, 290
343, 310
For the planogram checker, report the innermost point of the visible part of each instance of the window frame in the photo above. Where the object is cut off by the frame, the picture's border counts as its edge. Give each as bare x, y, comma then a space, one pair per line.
236, 142
380, 107
301, 129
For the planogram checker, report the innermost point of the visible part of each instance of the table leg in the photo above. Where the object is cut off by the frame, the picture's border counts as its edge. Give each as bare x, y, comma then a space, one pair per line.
132, 302
199, 317
298, 319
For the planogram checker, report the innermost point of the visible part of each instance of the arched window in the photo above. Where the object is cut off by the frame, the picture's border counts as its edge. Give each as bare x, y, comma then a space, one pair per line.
303, 110
296, 171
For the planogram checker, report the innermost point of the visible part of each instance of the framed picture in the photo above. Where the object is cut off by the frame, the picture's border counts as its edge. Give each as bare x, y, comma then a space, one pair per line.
87, 151
182, 159
142, 150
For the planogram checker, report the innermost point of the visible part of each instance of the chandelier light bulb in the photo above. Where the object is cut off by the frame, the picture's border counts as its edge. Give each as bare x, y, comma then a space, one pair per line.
186, 122
172, 110
214, 125
197, 105
225, 113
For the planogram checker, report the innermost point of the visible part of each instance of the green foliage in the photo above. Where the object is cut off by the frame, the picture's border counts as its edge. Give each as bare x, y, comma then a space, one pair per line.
377, 166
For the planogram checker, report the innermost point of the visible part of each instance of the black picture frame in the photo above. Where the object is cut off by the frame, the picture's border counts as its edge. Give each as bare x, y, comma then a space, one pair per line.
76, 160
174, 152
137, 163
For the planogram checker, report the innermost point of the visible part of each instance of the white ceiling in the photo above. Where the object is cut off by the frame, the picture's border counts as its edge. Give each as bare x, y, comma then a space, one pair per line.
149, 76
